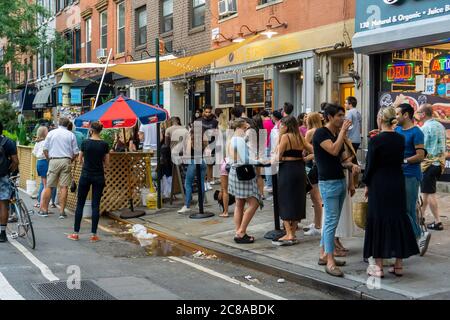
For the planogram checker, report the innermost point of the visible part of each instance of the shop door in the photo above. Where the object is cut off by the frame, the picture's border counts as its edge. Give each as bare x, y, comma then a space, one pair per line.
347, 90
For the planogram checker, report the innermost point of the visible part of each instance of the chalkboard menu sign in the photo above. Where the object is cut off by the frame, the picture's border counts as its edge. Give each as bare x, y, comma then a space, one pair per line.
226, 93
268, 93
237, 94
254, 90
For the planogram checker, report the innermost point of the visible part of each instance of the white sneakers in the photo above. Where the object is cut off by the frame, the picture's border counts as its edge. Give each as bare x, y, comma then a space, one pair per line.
184, 210
208, 186
423, 242
313, 232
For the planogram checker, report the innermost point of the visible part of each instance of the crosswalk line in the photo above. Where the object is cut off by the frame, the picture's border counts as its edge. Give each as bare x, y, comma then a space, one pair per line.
7, 292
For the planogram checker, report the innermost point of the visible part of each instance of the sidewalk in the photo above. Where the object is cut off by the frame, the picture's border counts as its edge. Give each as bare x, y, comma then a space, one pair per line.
425, 277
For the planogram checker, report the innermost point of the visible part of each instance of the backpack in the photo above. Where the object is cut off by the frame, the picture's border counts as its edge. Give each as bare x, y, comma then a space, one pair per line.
4, 159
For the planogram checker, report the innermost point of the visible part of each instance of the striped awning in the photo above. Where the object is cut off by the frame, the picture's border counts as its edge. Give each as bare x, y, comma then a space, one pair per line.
42, 98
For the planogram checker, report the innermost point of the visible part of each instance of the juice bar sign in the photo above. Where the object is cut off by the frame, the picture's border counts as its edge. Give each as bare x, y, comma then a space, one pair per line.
373, 14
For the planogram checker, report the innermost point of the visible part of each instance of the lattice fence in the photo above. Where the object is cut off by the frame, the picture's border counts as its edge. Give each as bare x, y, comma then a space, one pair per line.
127, 175
27, 166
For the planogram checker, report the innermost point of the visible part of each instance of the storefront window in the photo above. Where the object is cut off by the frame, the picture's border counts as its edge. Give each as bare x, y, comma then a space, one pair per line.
423, 70
254, 91
226, 93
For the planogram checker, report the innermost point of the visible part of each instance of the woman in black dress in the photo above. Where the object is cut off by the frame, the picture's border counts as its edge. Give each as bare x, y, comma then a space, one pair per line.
291, 179
389, 233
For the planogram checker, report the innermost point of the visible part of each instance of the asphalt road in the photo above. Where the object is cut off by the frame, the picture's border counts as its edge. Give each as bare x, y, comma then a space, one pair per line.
126, 270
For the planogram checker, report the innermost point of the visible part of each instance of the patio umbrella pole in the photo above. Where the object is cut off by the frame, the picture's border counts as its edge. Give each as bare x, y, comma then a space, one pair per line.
158, 128
103, 78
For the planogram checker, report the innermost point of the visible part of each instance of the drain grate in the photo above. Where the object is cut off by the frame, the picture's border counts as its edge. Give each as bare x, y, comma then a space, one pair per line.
58, 290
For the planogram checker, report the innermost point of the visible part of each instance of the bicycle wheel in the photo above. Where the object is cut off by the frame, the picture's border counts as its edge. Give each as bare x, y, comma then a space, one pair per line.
25, 226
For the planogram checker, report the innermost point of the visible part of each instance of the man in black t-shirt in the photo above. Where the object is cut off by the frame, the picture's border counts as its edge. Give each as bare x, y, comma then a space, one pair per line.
9, 162
328, 143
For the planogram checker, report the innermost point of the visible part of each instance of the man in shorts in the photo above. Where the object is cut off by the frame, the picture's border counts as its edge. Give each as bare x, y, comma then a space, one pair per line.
9, 163
434, 164
60, 148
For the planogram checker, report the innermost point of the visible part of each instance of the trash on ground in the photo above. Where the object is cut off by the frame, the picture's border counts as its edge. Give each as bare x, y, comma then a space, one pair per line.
281, 280
141, 234
248, 277
199, 254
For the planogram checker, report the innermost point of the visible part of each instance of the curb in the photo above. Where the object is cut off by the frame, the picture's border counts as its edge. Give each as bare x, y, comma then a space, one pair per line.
340, 287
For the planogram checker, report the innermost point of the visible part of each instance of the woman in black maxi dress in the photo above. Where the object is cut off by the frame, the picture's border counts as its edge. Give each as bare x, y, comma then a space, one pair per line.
389, 232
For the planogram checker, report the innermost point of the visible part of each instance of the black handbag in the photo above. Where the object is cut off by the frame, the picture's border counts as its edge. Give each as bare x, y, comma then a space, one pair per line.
245, 172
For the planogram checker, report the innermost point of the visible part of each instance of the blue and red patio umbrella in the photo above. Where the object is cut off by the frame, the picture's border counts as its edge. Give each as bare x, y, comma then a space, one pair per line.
122, 112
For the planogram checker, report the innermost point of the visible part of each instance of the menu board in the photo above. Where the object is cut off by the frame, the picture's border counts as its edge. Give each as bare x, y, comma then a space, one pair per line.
254, 90
237, 94
268, 93
226, 93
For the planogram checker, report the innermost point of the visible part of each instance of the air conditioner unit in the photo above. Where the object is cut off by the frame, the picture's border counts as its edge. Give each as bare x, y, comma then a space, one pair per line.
227, 7
102, 54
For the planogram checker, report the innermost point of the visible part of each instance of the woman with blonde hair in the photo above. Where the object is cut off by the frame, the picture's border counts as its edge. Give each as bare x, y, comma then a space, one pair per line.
313, 122
42, 164
389, 233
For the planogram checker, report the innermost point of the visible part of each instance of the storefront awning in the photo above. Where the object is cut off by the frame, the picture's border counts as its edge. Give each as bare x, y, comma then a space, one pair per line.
169, 67
407, 35
42, 98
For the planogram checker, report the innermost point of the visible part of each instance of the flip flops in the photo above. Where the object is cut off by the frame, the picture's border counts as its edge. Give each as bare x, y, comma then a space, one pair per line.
245, 239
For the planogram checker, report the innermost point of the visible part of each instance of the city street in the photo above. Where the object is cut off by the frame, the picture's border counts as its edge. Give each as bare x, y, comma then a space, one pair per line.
126, 270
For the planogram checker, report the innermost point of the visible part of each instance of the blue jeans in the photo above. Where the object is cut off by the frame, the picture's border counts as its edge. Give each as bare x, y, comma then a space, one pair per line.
268, 177
412, 193
191, 173
41, 188
333, 195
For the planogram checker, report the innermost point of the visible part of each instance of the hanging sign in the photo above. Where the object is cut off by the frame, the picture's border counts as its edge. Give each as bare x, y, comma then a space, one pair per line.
400, 72
440, 64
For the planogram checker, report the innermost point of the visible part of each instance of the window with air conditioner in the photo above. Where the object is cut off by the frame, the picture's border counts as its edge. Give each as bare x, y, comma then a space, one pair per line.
227, 8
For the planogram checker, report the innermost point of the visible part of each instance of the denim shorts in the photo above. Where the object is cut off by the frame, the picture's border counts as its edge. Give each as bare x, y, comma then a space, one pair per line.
5, 189
42, 168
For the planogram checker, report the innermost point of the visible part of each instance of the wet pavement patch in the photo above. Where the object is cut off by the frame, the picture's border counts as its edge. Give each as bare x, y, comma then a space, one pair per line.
159, 247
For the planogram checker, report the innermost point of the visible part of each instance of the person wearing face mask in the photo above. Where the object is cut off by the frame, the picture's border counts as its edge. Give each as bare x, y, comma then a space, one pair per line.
209, 122
94, 157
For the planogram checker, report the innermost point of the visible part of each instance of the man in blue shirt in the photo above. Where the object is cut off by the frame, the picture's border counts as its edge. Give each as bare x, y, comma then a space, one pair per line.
354, 132
414, 155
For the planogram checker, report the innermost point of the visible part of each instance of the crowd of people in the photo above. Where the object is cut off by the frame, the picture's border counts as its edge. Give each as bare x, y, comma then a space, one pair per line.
313, 153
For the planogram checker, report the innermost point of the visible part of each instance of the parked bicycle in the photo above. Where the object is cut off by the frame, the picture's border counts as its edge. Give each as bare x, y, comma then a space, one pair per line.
19, 222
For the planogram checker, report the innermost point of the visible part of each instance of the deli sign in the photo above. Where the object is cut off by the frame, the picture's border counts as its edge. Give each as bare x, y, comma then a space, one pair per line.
400, 72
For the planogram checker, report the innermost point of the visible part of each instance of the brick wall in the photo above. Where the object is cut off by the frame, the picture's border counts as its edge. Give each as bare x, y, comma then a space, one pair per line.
299, 15
182, 36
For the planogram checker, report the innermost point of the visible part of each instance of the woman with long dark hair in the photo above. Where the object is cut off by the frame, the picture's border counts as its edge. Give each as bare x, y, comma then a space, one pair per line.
291, 179
94, 157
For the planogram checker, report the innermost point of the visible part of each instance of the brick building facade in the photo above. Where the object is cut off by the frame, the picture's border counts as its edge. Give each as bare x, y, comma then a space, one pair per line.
184, 34
307, 61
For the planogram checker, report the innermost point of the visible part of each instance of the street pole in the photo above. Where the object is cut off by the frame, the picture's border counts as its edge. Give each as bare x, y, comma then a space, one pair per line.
158, 128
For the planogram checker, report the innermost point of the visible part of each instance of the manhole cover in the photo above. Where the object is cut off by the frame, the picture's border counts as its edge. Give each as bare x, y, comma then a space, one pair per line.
58, 290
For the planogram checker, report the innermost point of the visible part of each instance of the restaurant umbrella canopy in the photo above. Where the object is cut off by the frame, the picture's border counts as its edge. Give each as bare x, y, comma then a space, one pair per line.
123, 112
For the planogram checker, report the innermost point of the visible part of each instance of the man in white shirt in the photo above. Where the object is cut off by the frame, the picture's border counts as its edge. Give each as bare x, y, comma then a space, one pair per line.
60, 148
147, 134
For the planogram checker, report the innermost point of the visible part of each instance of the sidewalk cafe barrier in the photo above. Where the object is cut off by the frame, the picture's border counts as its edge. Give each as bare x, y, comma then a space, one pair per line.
127, 172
